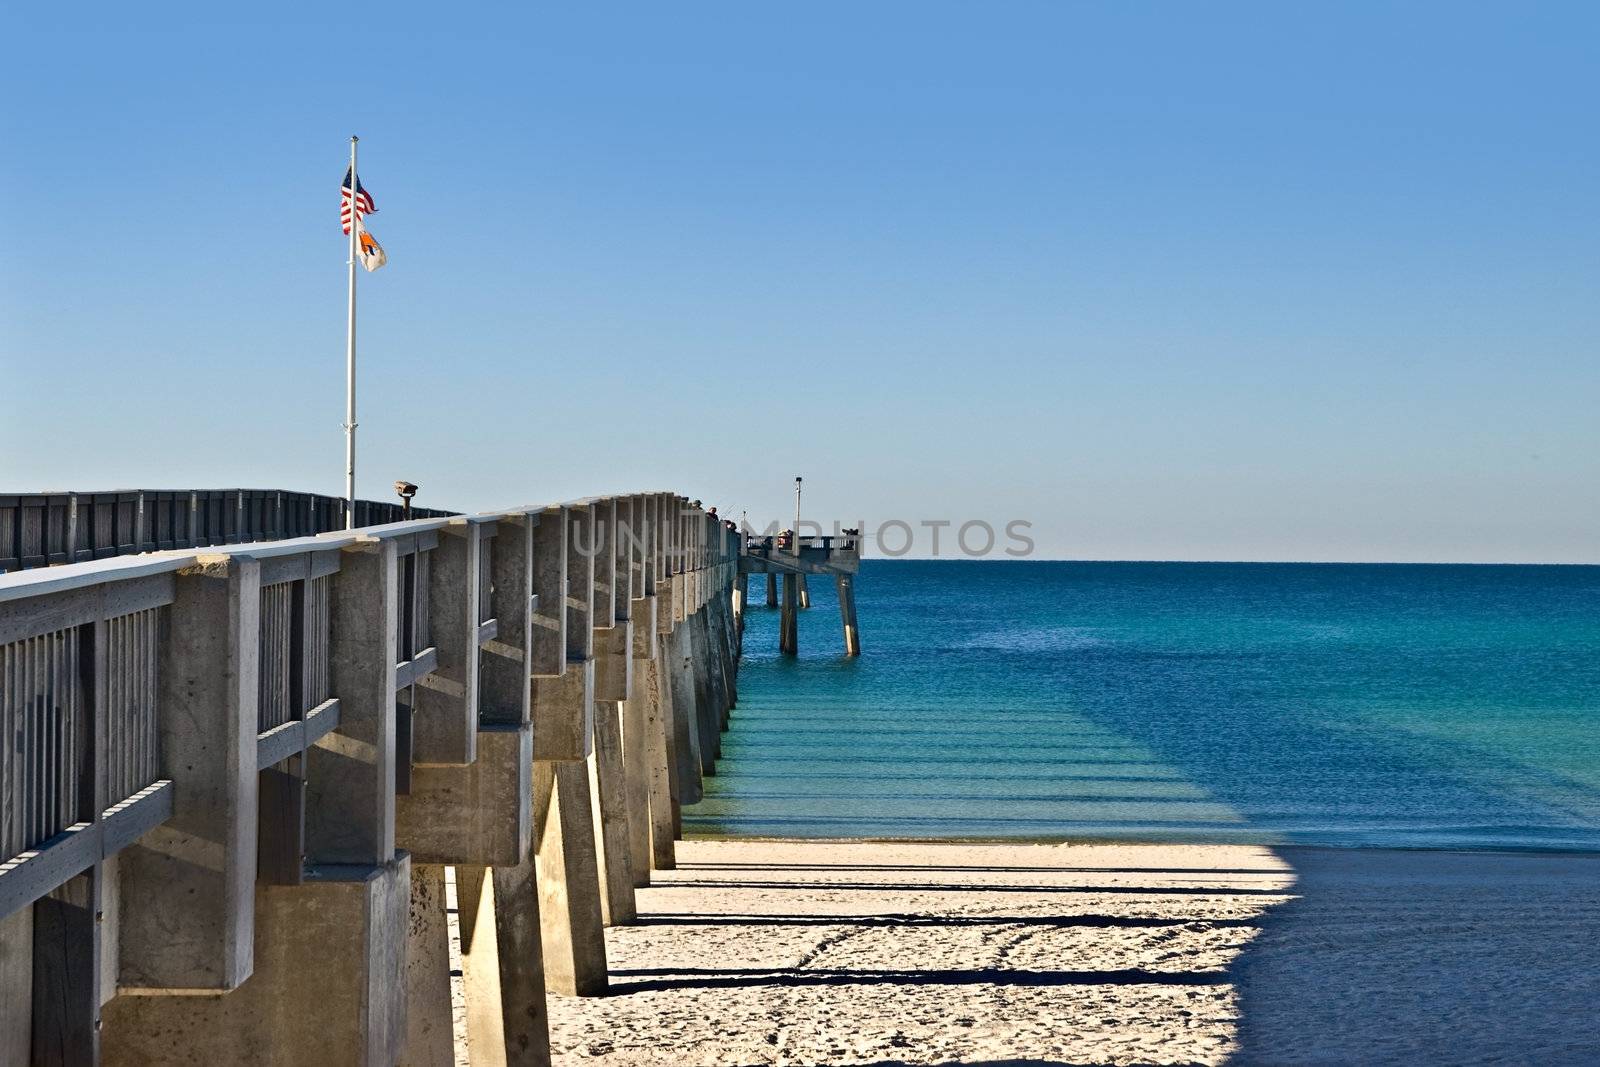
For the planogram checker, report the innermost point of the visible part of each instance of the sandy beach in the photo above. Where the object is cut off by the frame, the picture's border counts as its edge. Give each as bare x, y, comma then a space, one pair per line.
869, 953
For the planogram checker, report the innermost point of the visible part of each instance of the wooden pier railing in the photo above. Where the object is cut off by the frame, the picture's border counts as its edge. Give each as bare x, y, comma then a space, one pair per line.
241, 771
42, 529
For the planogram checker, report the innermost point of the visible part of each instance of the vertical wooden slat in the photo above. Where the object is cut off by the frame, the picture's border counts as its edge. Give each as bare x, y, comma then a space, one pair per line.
45, 743
8, 731
424, 623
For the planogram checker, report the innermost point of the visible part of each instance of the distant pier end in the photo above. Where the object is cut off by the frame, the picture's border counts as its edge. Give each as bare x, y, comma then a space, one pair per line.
792, 560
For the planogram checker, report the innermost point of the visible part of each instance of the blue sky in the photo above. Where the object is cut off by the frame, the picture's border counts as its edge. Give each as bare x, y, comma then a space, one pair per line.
1224, 281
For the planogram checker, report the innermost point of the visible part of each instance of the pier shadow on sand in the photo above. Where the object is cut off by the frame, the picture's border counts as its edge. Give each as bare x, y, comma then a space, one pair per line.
1387, 957
1371, 957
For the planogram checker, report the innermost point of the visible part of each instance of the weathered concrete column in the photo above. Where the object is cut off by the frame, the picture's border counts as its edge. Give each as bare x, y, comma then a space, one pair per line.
805, 592
716, 677
329, 986
16, 988
695, 665
741, 598
572, 933
637, 716
444, 727
685, 716
609, 801
563, 689
846, 586
789, 622
721, 628
772, 589
196, 873
351, 771
67, 967
662, 822
430, 1036
666, 669
502, 966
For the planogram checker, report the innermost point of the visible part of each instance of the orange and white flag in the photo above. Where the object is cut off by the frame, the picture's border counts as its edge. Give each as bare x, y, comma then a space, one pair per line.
372, 253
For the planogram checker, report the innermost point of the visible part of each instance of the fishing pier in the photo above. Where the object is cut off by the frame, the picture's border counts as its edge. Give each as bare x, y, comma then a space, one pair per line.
788, 561
239, 762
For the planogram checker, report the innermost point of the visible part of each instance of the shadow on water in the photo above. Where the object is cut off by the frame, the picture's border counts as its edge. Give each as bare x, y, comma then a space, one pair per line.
1387, 957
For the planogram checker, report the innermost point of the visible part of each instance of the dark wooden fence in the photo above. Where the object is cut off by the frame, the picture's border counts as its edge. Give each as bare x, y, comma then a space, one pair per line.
40, 529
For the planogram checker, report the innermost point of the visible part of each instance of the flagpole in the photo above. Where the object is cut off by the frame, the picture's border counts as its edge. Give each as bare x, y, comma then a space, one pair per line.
350, 356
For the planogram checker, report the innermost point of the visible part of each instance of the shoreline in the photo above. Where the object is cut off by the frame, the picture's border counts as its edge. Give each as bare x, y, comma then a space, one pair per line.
1484, 850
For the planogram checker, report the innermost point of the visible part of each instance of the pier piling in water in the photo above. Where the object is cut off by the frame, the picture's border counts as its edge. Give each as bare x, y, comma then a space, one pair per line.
292, 741
791, 560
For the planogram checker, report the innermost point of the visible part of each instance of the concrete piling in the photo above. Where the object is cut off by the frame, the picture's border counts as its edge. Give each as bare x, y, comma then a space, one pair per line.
568, 879
789, 622
846, 586
609, 802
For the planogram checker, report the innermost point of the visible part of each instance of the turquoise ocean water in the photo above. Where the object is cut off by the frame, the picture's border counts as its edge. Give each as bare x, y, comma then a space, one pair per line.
1412, 706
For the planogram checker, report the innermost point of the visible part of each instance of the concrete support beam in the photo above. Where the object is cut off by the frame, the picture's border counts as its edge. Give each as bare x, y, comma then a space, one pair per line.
430, 1030
503, 664
16, 988
741, 601
444, 726
196, 873
613, 661
572, 932
636, 739
563, 713
708, 698
351, 772
660, 766
66, 1027
548, 651
502, 966
685, 716
479, 814
789, 622
608, 797
330, 984
846, 586
563, 705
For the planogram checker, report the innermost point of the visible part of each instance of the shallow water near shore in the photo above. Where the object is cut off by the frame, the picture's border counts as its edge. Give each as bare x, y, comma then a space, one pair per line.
1333, 704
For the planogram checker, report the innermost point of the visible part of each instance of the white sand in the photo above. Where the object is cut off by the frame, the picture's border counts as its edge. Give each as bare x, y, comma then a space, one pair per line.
862, 953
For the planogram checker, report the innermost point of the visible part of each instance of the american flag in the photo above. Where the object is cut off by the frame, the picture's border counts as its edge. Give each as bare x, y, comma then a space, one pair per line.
364, 204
